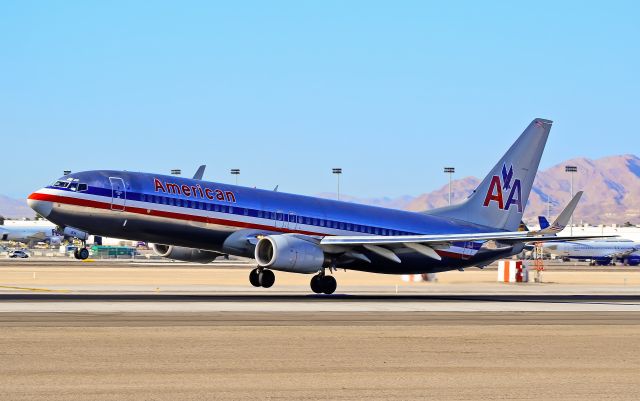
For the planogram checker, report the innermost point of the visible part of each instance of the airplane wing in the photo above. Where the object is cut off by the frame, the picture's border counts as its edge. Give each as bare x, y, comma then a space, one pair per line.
39, 236
622, 254
427, 244
505, 237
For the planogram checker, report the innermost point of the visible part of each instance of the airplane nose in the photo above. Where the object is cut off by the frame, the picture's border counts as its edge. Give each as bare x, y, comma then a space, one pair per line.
42, 207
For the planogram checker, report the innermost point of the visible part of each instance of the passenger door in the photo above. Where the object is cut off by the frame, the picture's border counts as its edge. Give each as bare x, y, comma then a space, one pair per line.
118, 194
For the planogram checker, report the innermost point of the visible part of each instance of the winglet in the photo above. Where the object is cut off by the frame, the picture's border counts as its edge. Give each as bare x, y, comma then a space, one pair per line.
198, 175
563, 219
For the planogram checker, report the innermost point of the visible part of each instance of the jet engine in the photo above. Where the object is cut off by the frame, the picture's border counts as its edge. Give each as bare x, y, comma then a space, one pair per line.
290, 253
184, 254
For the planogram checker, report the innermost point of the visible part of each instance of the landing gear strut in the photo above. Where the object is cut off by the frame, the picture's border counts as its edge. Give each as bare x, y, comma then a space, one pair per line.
262, 278
321, 283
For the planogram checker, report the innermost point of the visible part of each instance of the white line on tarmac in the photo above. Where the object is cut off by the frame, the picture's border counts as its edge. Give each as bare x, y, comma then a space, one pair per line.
172, 307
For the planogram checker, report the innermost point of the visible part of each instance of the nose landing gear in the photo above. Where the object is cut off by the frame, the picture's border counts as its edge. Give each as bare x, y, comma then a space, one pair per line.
81, 253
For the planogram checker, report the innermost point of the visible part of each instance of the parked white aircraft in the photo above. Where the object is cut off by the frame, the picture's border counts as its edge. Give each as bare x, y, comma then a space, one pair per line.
29, 232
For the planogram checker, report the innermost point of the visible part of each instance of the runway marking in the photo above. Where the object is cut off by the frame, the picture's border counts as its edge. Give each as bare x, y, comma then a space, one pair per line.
8, 287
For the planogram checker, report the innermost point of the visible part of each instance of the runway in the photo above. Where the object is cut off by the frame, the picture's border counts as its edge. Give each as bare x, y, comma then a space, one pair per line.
103, 331
327, 356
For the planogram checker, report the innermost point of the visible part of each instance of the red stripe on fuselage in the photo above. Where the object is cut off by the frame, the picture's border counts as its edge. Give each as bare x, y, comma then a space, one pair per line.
161, 213
185, 217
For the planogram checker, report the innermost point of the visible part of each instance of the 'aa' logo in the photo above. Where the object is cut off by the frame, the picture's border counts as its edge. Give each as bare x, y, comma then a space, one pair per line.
498, 188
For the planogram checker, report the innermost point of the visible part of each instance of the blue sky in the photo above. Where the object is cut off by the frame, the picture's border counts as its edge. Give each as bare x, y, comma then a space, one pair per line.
389, 91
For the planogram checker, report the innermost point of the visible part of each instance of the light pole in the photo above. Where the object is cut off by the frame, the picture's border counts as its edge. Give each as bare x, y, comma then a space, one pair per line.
236, 172
450, 171
176, 171
548, 207
571, 169
338, 171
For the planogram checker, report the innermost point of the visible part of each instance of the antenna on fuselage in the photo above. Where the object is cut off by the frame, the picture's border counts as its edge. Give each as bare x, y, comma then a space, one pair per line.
200, 172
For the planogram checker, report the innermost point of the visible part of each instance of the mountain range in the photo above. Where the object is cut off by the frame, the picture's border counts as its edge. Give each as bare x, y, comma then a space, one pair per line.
15, 208
611, 188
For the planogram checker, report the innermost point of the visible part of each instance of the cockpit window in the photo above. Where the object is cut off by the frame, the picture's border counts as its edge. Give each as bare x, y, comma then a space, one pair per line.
82, 187
73, 186
61, 184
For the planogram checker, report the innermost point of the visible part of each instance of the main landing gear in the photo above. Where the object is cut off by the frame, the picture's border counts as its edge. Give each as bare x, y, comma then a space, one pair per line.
260, 277
321, 283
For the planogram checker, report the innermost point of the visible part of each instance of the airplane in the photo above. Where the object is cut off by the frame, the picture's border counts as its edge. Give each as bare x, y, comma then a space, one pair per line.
196, 220
602, 252
29, 233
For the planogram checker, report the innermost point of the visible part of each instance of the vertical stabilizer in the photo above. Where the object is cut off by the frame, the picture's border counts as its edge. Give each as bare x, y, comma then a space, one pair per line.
500, 199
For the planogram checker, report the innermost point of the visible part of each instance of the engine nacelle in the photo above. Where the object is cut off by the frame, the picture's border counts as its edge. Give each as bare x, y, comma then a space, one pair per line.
289, 253
184, 254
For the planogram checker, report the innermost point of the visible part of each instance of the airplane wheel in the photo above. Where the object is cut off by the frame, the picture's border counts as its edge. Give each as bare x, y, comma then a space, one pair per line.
267, 278
329, 285
75, 254
254, 279
83, 254
316, 284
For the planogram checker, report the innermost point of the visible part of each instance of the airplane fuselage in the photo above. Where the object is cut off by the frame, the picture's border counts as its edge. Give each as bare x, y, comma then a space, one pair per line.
599, 251
218, 217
